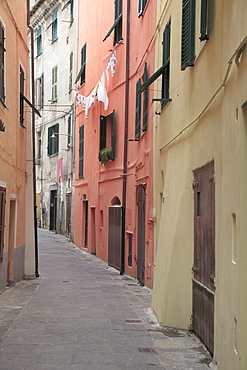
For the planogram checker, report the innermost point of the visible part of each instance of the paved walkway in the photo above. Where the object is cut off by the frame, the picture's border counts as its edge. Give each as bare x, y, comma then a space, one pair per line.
81, 314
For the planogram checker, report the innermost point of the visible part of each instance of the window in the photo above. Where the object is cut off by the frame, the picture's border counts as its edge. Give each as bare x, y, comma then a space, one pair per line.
81, 152
54, 26
54, 84
107, 138
2, 51
138, 110
130, 237
53, 139
145, 101
69, 130
82, 73
22, 80
188, 34
117, 25
40, 91
166, 63
141, 7
39, 40
70, 70
71, 3
2, 219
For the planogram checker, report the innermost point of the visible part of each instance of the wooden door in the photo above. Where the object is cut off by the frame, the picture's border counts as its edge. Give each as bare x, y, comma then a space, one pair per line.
53, 210
204, 254
115, 237
141, 235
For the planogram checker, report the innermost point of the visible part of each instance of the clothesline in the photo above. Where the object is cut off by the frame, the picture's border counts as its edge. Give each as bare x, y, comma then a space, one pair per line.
99, 92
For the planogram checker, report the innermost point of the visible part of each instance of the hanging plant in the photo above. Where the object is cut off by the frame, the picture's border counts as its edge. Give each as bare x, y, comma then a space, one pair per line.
105, 155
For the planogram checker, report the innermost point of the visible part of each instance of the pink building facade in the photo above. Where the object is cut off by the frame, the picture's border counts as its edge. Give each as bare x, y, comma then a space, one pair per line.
113, 203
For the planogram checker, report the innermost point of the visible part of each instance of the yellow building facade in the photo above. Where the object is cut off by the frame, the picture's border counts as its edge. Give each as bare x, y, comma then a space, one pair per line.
16, 205
200, 164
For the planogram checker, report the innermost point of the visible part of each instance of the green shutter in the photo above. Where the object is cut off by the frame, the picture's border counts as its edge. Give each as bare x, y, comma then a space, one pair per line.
82, 73
70, 69
188, 34
69, 128
145, 101
56, 130
49, 148
138, 110
113, 135
204, 20
166, 61
81, 152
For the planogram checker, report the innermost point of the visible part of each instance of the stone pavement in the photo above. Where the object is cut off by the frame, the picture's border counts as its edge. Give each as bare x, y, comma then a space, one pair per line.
81, 314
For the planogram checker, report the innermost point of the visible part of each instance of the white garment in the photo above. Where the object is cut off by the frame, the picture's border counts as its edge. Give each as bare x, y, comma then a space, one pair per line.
111, 64
102, 93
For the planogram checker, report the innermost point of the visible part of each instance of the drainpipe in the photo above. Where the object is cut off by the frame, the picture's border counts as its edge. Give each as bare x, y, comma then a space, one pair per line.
33, 144
126, 122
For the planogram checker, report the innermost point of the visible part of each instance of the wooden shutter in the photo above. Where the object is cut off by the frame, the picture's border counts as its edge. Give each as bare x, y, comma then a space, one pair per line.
2, 50
145, 100
69, 129
83, 64
56, 131
138, 110
166, 62
70, 69
113, 134
81, 151
2, 219
204, 20
54, 26
21, 96
188, 34
49, 147
54, 83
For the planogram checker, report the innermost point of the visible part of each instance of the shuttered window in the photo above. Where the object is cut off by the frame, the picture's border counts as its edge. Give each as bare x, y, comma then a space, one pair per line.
21, 96
54, 83
70, 70
81, 152
71, 3
141, 7
204, 21
166, 62
82, 72
138, 110
117, 25
2, 51
145, 100
39, 40
69, 130
107, 137
54, 26
53, 139
188, 34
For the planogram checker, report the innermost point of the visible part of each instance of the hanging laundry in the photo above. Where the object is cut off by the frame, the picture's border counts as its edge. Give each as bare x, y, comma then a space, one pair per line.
59, 168
102, 93
111, 64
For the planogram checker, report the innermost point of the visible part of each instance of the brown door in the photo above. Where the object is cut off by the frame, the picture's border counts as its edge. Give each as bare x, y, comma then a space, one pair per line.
115, 237
141, 235
68, 214
85, 214
204, 254
53, 210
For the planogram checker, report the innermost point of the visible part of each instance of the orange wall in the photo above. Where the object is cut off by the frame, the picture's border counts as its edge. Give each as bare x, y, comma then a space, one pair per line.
101, 184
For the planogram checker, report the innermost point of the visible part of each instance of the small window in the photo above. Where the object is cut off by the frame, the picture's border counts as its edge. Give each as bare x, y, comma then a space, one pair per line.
82, 73
54, 26
39, 40
71, 3
117, 25
107, 138
70, 70
141, 7
69, 130
54, 83
22, 80
53, 139
166, 63
2, 51
81, 152
2, 219
188, 34
138, 110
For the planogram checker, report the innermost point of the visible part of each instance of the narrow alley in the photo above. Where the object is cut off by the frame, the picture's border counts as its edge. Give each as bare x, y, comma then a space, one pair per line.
81, 314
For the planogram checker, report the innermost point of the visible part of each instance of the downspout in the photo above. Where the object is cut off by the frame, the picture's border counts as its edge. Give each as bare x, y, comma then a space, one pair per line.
33, 144
126, 122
